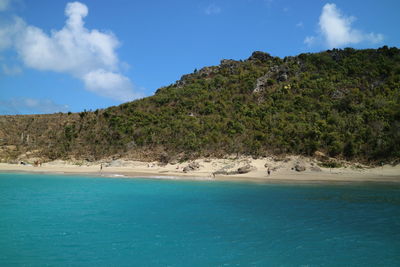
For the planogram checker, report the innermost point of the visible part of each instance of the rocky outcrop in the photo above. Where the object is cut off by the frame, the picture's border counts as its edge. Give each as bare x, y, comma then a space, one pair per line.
320, 156
227, 170
245, 169
261, 56
222, 172
299, 167
282, 76
208, 71
274, 74
229, 63
191, 167
262, 83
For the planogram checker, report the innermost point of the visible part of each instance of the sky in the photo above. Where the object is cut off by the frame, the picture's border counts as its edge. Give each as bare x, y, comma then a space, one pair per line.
61, 56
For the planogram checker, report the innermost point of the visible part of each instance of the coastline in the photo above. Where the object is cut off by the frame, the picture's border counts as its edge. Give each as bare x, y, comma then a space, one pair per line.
281, 172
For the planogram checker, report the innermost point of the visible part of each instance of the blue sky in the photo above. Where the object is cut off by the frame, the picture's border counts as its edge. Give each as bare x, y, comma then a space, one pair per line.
70, 56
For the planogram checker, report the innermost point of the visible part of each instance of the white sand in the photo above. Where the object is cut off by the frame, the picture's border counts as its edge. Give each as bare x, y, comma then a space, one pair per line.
280, 171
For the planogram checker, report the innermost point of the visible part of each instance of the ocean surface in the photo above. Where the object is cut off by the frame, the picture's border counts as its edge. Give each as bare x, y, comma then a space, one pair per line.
48, 220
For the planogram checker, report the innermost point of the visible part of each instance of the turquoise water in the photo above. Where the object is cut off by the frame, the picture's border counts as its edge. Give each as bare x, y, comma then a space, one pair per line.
50, 220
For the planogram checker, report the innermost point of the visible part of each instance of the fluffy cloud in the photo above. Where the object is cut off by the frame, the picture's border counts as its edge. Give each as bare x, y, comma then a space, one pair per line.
29, 106
101, 80
336, 30
89, 55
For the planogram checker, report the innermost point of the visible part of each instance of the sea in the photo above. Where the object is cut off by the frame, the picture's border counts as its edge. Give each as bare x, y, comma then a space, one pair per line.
53, 220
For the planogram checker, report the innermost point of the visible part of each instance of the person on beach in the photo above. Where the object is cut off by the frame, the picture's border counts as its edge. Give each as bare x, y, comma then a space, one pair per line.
101, 167
269, 172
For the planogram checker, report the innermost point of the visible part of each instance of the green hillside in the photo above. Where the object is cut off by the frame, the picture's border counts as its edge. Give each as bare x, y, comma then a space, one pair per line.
345, 103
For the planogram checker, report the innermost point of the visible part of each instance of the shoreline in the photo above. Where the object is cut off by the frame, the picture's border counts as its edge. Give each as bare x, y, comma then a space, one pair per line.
281, 172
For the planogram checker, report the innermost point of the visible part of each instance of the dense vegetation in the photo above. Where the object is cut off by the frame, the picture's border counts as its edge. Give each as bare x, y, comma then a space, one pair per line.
345, 103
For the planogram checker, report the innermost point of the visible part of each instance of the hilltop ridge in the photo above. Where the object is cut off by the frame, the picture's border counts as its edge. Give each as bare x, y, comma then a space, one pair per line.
340, 103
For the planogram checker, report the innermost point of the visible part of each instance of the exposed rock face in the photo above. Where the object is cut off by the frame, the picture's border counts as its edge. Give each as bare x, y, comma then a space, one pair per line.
186, 169
300, 167
320, 156
174, 162
262, 56
208, 71
274, 74
228, 63
261, 83
282, 76
223, 172
245, 169
227, 170
194, 165
191, 167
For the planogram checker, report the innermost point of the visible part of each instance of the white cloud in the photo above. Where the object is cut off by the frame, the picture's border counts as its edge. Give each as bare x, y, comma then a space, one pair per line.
212, 9
101, 81
74, 49
336, 30
29, 106
4, 5
300, 24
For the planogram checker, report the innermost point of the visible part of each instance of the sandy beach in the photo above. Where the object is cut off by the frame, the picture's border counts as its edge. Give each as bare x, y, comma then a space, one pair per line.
256, 170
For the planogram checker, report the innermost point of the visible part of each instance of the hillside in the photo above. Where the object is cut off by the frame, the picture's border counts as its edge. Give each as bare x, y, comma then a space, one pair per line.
344, 103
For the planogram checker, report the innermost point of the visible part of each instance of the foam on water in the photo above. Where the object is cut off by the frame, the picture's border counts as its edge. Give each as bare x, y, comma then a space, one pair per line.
64, 221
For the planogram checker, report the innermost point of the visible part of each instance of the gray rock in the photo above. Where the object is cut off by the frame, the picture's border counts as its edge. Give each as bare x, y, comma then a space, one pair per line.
191, 167
228, 63
174, 162
299, 167
282, 77
261, 83
320, 156
207, 71
223, 172
262, 56
194, 165
245, 169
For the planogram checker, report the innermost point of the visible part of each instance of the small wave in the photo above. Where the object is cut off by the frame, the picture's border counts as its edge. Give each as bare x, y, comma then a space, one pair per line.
163, 177
118, 175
